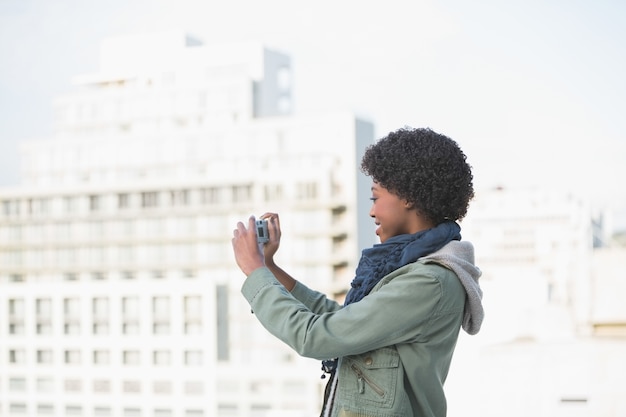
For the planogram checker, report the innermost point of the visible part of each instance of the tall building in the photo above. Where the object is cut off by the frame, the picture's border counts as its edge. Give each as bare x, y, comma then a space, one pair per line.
119, 294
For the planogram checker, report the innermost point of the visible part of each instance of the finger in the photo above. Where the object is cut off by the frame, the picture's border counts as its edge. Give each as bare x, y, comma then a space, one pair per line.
274, 222
268, 216
240, 228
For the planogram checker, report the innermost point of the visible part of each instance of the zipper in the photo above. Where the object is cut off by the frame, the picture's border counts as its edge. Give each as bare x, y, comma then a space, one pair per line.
364, 378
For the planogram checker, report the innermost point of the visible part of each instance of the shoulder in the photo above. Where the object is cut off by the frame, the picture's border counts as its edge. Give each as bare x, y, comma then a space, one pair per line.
427, 278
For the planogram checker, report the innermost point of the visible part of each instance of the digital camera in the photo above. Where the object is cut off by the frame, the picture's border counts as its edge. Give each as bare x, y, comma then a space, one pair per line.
262, 233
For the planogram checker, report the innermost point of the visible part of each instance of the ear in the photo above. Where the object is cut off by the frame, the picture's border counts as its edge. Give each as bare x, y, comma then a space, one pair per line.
408, 205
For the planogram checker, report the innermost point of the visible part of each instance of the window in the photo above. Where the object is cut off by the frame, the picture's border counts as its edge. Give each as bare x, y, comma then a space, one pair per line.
16, 307
123, 201
17, 356
161, 328
70, 205
241, 193
16, 259
102, 411
194, 388
101, 357
73, 410
131, 386
101, 386
229, 410
95, 203
161, 306
43, 307
132, 412
149, 199
130, 307
306, 191
162, 387
44, 356
17, 384
100, 307
16, 328
71, 328
193, 306
72, 313
70, 276
193, 358
45, 385
45, 409
72, 357
98, 276
100, 312
100, 328
71, 307
11, 208
17, 408
130, 357
161, 315
73, 385
16, 316
210, 195
193, 314
273, 192
130, 327
127, 275
179, 197
161, 357
38, 206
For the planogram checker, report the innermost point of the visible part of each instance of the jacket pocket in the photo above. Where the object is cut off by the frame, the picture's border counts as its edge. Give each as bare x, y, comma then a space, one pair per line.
371, 379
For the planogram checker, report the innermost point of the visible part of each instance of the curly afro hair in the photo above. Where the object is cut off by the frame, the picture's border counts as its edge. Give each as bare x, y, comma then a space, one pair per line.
425, 168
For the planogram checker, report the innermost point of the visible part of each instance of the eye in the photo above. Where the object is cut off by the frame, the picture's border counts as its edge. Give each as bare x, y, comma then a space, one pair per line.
373, 199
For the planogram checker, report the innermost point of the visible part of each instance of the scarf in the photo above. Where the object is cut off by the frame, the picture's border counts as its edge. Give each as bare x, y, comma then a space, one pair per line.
383, 258
398, 251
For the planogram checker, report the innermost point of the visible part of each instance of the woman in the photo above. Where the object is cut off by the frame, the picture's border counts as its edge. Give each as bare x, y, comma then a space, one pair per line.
388, 348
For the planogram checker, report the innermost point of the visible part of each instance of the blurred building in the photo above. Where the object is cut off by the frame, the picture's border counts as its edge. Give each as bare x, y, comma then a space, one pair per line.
119, 294
554, 335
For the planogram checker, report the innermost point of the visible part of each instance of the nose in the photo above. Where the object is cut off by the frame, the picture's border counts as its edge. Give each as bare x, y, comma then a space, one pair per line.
372, 211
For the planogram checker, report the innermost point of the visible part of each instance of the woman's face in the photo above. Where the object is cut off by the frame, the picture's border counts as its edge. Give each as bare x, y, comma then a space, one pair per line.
393, 215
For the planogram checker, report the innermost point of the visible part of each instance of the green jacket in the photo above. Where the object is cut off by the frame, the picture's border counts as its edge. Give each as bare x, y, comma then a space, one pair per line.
394, 346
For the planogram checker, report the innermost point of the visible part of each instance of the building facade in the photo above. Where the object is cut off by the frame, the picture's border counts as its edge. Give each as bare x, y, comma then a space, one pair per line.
119, 294
553, 340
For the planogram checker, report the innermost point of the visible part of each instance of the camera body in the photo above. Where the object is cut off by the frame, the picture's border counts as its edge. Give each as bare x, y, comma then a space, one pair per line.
262, 233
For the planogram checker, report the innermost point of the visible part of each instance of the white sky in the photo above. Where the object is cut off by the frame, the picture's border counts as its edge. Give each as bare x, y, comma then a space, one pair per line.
533, 91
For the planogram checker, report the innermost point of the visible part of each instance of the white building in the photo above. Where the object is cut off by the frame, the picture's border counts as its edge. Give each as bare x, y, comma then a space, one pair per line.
554, 335
119, 295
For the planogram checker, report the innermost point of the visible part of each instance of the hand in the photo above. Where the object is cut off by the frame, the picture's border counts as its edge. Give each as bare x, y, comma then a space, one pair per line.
273, 226
247, 251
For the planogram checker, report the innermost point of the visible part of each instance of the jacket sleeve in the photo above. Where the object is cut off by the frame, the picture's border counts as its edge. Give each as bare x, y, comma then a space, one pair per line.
315, 301
401, 310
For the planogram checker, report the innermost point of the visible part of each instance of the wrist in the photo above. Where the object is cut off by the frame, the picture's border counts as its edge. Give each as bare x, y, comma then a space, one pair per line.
269, 262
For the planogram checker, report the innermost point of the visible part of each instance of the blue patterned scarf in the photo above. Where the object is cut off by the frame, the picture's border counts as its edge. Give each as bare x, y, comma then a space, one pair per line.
397, 251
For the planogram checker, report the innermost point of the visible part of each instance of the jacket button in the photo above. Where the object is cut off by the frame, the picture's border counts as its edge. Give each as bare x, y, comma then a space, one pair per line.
369, 361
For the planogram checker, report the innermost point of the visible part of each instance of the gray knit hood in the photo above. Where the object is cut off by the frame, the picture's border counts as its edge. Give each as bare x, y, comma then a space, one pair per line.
458, 256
